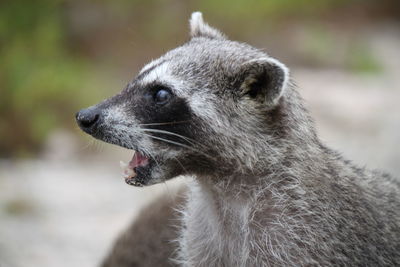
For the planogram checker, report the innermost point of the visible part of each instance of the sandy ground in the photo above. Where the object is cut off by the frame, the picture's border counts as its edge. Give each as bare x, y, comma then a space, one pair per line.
65, 209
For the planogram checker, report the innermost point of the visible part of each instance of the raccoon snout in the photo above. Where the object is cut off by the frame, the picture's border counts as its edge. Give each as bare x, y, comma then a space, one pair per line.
88, 119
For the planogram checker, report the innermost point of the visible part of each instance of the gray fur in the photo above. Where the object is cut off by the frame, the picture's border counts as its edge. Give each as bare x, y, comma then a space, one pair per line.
269, 193
149, 242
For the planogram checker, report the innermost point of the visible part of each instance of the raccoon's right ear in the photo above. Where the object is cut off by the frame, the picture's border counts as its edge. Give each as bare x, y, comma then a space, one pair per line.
263, 80
198, 28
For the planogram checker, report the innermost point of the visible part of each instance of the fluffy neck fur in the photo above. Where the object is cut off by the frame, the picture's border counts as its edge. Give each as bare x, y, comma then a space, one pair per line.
251, 219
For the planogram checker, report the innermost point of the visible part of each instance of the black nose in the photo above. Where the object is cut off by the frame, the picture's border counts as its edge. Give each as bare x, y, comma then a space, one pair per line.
88, 119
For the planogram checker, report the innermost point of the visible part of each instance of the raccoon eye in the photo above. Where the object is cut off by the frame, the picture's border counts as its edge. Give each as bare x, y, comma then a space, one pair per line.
162, 96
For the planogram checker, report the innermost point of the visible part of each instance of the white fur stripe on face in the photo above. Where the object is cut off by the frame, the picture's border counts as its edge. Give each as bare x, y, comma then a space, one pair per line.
161, 75
150, 65
156, 74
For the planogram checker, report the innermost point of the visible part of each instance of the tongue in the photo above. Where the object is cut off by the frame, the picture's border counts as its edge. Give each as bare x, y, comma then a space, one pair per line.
138, 160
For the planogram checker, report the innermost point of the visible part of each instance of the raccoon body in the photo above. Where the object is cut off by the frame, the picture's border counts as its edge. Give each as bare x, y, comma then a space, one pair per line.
265, 190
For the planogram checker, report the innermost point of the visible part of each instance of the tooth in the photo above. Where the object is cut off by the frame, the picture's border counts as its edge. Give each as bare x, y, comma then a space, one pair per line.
129, 173
123, 165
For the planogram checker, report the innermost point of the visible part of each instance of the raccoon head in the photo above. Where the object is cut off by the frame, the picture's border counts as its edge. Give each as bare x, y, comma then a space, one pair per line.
208, 108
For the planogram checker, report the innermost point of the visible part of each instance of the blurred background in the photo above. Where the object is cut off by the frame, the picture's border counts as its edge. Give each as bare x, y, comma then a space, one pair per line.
62, 198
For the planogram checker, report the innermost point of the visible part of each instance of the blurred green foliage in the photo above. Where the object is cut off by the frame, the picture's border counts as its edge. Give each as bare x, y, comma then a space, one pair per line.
53, 52
361, 59
41, 83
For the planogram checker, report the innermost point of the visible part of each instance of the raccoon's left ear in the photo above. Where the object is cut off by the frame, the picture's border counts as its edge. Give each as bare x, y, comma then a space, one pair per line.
198, 28
264, 80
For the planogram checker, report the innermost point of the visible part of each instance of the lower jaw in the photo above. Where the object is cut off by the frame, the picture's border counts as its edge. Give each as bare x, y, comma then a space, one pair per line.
132, 181
142, 177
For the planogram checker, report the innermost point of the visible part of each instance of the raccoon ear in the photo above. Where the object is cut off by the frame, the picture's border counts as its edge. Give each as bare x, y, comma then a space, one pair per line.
198, 28
264, 80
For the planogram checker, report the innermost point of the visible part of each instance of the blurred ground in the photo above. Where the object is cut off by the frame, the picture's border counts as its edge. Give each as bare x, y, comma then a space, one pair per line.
61, 213
67, 206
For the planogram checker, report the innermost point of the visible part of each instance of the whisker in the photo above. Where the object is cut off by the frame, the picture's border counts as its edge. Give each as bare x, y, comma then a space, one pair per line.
178, 144
190, 140
98, 146
175, 158
168, 141
88, 145
168, 192
154, 158
163, 123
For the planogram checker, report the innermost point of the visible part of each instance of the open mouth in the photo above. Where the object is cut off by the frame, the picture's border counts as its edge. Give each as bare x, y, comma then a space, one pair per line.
137, 171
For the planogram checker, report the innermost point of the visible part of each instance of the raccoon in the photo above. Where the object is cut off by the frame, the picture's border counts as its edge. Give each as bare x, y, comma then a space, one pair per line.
264, 190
